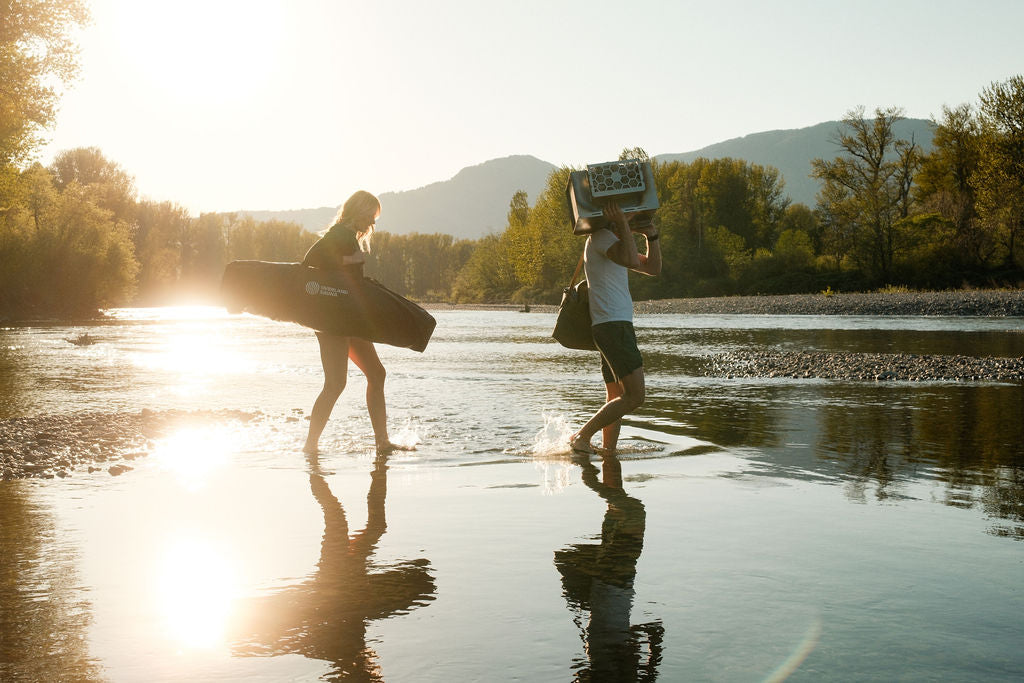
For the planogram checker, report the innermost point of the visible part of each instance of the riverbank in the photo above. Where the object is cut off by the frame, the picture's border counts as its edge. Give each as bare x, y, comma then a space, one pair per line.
991, 303
876, 367
1001, 303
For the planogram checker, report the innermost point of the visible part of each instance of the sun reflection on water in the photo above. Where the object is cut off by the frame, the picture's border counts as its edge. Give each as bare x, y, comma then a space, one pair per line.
192, 353
196, 588
192, 454
169, 313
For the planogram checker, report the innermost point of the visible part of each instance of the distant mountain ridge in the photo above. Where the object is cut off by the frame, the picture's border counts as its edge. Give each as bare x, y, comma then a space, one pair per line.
791, 151
475, 201
471, 204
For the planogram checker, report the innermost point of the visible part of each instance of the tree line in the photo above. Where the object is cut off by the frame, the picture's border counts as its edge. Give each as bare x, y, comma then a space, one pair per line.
887, 215
75, 238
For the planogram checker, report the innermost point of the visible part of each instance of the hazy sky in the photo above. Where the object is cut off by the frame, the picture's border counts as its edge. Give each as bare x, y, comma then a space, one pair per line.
220, 105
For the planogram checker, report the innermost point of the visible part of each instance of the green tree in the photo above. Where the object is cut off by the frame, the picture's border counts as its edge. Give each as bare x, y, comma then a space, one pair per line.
487, 276
631, 153
63, 254
420, 266
944, 185
794, 250
866, 190
519, 209
161, 237
556, 249
523, 239
999, 181
722, 196
538, 244
37, 56
111, 187
801, 218
680, 222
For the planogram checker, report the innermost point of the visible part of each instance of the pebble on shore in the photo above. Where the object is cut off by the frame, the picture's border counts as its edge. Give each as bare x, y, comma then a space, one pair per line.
45, 447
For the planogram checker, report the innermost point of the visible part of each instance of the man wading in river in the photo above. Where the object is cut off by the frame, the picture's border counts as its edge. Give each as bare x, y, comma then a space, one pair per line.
609, 255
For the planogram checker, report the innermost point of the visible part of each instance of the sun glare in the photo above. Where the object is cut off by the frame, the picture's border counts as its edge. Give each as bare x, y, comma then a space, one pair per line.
192, 454
205, 49
194, 354
196, 588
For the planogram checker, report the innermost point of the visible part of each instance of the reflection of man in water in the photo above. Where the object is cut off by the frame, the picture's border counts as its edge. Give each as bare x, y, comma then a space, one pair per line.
326, 616
598, 578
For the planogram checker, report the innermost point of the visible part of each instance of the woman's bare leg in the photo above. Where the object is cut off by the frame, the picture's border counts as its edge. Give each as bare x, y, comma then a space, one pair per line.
334, 353
364, 355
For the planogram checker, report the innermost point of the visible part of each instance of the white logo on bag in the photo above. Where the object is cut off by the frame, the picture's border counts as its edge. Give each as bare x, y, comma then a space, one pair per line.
313, 288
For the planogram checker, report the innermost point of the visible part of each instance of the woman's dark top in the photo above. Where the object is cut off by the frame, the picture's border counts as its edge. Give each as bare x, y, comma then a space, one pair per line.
329, 251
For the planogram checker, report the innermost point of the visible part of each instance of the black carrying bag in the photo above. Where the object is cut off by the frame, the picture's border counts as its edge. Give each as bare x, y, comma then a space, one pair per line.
573, 325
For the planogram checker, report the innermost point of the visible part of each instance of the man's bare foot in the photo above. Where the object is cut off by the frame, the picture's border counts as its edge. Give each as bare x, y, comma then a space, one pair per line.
578, 445
385, 447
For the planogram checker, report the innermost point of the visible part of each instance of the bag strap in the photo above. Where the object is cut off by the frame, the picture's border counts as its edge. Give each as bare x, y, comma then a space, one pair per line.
578, 266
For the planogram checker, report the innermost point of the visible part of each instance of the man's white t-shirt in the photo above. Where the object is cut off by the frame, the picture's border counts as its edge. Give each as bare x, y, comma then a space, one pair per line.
607, 281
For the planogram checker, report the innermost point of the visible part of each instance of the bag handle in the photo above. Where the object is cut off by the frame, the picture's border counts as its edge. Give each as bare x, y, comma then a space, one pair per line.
579, 265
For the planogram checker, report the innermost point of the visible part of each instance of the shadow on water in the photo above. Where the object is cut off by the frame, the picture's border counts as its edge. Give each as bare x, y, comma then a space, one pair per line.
597, 582
326, 616
43, 619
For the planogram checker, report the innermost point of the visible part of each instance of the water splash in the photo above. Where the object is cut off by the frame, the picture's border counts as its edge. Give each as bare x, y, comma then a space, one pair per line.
553, 438
408, 436
550, 453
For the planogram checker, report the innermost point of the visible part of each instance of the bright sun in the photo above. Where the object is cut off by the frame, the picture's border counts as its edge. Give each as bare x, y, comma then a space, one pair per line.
203, 49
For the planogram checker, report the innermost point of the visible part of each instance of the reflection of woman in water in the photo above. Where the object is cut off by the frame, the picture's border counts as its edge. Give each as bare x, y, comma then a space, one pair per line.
598, 578
326, 616
342, 248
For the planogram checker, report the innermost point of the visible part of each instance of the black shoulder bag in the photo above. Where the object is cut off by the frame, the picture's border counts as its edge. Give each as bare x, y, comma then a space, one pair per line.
572, 327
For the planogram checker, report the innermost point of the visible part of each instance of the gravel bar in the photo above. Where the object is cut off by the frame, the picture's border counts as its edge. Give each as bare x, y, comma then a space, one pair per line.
877, 367
986, 303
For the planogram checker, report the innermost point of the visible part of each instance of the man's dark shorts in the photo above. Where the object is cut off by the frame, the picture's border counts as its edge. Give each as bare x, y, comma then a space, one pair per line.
619, 353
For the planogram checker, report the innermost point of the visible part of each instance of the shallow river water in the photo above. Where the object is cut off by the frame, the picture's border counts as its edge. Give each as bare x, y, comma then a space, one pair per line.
750, 529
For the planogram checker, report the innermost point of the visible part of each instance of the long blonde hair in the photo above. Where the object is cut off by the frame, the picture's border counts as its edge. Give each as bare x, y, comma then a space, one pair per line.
360, 205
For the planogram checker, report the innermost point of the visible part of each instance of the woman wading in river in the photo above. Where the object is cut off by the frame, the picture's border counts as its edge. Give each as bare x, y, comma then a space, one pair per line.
343, 248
